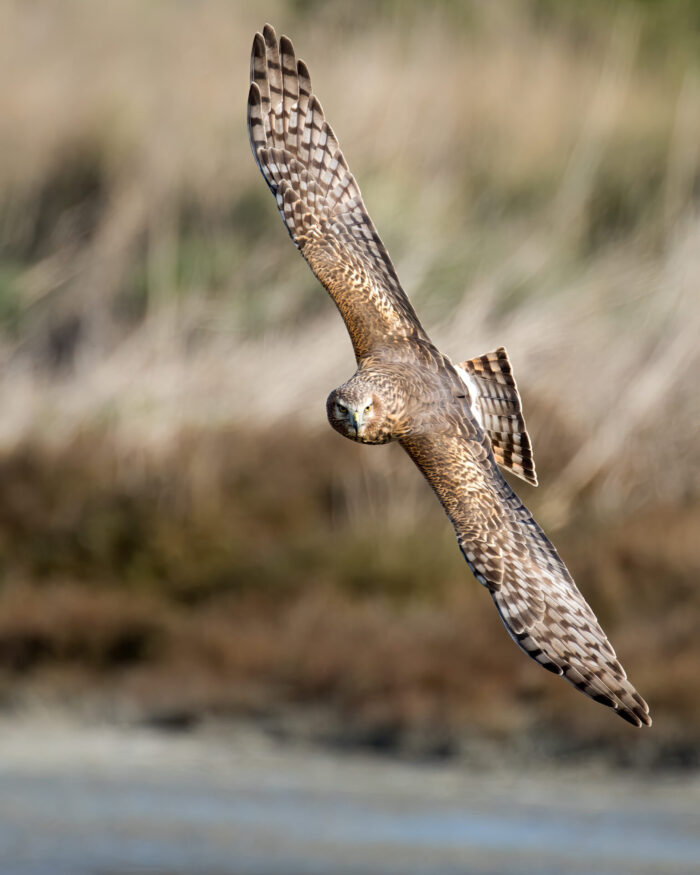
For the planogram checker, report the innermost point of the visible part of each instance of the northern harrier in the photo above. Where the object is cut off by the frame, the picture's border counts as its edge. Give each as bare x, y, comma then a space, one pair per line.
457, 422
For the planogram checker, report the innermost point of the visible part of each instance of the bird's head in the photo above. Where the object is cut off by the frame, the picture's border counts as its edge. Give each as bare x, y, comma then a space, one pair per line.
356, 410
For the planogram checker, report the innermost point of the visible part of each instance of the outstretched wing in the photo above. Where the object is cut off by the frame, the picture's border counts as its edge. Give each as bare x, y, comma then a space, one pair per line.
508, 552
319, 200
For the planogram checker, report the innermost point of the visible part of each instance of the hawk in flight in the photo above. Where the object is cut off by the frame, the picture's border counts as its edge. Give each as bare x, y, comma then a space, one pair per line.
456, 421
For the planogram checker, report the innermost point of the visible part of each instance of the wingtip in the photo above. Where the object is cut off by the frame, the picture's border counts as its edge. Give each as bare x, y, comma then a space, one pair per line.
269, 35
286, 47
637, 718
644, 715
302, 69
254, 98
258, 60
258, 48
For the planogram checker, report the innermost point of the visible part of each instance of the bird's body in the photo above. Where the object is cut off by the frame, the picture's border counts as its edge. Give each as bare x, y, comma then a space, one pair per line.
407, 387
456, 422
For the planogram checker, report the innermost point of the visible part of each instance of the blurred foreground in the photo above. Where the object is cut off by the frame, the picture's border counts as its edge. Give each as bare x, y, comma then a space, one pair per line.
234, 801
181, 536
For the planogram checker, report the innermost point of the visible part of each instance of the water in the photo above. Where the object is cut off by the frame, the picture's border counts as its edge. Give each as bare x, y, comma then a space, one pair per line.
89, 800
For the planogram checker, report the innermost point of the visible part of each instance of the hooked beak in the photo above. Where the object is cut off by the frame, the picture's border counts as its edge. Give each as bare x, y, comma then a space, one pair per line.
356, 421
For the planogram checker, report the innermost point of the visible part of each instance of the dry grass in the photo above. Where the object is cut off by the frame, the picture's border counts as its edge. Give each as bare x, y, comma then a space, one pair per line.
543, 196
165, 355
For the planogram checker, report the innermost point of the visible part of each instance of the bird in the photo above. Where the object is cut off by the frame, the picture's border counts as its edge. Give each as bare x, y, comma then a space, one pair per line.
457, 422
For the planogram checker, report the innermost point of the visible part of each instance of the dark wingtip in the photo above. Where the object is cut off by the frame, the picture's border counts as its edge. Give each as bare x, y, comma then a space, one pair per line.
254, 98
257, 55
253, 113
635, 718
258, 49
602, 699
269, 35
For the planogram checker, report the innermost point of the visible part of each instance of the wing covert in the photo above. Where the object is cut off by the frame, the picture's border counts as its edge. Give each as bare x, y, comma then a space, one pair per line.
318, 198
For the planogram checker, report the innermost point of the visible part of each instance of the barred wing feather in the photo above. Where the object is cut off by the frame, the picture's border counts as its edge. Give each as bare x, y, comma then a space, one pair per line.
507, 551
319, 200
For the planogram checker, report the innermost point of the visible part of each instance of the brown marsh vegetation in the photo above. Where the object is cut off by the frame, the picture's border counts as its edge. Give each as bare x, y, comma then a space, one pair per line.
179, 530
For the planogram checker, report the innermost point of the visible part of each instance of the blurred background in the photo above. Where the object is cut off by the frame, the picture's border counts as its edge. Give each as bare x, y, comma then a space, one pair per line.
186, 548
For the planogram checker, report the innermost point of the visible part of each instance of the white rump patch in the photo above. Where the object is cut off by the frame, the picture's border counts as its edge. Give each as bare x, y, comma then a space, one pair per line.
473, 394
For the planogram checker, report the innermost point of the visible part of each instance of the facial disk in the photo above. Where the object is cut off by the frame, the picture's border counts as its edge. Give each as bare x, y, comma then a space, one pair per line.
355, 411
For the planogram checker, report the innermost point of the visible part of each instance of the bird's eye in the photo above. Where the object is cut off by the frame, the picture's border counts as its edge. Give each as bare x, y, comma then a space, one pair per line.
368, 408
341, 407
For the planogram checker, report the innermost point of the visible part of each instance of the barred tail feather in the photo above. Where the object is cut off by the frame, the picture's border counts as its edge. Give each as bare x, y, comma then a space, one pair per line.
495, 393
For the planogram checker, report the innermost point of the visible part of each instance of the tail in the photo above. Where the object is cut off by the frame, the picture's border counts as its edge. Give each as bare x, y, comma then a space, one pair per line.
496, 402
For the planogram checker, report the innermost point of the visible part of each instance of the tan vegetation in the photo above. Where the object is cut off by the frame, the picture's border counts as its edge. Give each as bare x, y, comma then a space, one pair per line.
534, 170
179, 585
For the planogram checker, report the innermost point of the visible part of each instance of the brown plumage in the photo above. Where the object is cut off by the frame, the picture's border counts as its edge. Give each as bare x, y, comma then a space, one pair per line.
455, 423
